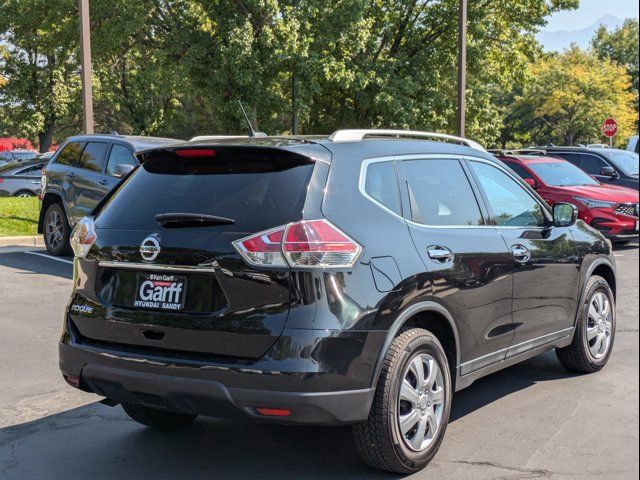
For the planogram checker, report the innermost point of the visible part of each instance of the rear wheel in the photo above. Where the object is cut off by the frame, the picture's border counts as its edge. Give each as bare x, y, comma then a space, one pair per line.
410, 411
56, 230
595, 330
24, 194
156, 418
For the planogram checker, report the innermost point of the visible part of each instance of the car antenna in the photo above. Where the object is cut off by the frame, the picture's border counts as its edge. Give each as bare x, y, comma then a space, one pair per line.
252, 133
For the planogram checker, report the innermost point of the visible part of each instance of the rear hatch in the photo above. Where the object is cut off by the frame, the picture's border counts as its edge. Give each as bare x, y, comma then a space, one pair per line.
210, 300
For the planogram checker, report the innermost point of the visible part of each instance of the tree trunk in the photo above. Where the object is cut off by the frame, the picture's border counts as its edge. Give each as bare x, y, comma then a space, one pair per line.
45, 138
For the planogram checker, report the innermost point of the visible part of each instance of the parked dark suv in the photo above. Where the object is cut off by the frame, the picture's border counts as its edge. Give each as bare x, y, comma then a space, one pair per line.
356, 279
607, 165
79, 175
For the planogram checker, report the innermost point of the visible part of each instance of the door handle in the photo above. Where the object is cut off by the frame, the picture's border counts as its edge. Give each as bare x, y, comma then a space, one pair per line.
102, 182
520, 253
440, 254
70, 174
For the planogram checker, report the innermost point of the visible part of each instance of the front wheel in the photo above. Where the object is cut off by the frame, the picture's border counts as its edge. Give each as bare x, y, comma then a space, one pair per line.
595, 330
410, 411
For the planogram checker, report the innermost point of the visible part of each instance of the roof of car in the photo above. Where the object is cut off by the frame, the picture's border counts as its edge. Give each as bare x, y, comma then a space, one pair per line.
371, 146
531, 158
138, 142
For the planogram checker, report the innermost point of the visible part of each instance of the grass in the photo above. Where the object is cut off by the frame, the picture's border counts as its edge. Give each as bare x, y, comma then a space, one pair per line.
19, 216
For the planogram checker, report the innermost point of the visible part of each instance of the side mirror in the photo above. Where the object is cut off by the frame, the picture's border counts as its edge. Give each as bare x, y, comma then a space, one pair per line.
564, 214
531, 182
122, 169
608, 172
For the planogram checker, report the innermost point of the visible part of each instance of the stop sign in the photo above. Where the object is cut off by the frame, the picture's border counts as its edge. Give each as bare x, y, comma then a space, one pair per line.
610, 128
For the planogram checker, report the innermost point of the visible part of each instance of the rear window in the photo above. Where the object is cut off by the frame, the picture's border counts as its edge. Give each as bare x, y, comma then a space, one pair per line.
258, 192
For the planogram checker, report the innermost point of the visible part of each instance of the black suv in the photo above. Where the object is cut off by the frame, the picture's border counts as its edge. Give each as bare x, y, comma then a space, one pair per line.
357, 279
79, 175
607, 165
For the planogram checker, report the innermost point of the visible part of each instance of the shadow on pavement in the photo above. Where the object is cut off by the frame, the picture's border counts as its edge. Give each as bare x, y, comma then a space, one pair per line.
100, 442
35, 264
625, 246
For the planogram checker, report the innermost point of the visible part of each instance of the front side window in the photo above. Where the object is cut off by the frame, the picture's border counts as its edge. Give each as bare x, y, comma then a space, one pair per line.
520, 170
381, 185
92, 157
511, 204
120, 155
70, 154
592, 164
440, 193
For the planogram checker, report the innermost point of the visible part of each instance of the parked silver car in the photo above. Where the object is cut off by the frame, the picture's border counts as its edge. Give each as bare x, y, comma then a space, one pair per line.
21, 179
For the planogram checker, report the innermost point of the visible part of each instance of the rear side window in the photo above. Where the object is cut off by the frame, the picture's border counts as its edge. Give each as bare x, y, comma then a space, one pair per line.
119, 155
381, 185
569, 157
70, 154
257, 192
92, 157
440, 193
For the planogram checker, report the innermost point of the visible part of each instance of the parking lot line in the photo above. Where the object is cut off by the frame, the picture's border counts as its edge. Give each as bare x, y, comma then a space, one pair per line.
63, 260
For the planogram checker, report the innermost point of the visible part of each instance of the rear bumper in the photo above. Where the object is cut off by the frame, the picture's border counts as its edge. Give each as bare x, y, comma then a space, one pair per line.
315, 392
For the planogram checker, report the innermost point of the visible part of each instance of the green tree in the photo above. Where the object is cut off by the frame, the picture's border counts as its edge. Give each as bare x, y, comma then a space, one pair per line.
622, 47
570, 94
40, 95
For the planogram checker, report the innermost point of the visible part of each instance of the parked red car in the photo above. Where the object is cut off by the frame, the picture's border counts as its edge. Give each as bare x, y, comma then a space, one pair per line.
611, 209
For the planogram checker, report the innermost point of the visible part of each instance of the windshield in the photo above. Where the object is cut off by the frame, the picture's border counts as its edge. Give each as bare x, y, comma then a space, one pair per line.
23, 155
625, 161
561, 174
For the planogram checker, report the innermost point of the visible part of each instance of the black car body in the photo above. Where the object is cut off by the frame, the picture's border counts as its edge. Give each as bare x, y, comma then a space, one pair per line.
20, 179
80, 174
272, 278
607, 165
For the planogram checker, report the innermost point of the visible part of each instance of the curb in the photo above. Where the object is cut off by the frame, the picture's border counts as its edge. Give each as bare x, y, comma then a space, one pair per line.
27, 241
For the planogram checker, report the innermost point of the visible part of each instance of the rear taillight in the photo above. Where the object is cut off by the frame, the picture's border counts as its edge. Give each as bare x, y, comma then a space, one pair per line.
43, 180
196, 153
83, 237
306, 244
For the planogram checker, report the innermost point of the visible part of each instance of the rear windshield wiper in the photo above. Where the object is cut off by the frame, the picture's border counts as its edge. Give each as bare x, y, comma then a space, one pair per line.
185, 220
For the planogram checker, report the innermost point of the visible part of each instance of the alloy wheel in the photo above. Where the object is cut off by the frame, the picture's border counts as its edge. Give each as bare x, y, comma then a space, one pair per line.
420, 402
54, 229
599, 325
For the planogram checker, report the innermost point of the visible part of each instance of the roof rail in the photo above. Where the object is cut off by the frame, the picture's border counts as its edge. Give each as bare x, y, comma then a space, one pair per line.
356, 135
520, 151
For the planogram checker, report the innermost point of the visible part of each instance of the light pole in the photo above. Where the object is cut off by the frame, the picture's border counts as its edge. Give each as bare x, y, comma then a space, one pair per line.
462, 68
85, 71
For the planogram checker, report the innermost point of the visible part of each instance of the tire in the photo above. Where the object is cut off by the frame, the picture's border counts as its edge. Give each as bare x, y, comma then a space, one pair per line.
56, 231
156, 418
24, 194
379, 439
580, 356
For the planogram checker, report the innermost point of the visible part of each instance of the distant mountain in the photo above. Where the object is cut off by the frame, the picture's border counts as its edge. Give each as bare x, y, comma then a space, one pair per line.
559, 40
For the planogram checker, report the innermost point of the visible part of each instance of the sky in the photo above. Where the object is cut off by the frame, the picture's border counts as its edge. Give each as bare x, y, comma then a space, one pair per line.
590, 11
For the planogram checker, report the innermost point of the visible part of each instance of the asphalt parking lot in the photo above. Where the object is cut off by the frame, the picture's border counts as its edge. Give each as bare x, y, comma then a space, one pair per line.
533, 420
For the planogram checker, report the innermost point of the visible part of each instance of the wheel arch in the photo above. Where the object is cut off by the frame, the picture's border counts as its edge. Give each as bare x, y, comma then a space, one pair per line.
433, 317
48, 199
604, 268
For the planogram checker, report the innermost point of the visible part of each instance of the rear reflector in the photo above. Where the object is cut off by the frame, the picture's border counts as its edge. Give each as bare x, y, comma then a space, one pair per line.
273, 412
307, 244
196, 153
72, 380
